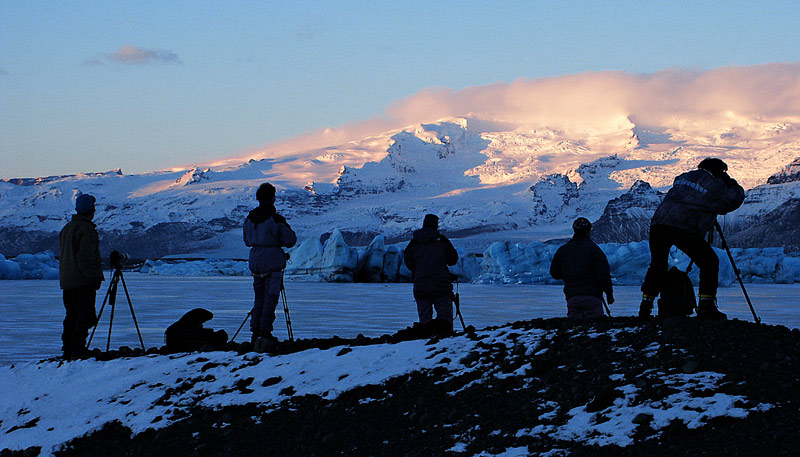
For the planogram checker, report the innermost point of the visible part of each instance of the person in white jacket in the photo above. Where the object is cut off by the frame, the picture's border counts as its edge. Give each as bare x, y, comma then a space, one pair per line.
266, 233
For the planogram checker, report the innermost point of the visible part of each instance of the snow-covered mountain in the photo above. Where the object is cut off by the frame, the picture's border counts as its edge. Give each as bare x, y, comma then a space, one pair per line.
487, 180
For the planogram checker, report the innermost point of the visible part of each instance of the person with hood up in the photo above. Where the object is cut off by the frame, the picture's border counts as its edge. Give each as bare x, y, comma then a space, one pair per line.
266, 233
427, 256
584, 268
683, 219
80, 275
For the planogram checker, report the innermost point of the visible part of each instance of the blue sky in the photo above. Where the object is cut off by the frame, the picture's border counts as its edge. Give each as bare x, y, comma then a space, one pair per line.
142, 86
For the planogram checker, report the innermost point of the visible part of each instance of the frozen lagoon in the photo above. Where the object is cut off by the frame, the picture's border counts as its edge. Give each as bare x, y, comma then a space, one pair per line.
31, 311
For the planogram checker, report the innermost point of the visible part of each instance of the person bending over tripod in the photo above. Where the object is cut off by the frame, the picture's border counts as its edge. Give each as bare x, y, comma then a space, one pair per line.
427, 256
683, 218
80, 276
266, 233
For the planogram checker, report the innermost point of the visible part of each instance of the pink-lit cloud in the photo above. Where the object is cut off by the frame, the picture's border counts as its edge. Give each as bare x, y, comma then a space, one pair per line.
130, 54
585, 101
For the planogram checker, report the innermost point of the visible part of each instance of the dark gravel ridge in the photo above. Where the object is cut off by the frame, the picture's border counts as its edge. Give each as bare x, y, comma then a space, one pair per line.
511, 390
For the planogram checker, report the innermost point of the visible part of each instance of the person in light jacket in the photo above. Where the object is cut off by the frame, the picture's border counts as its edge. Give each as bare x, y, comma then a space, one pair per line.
266, 233
80, 276
683, 218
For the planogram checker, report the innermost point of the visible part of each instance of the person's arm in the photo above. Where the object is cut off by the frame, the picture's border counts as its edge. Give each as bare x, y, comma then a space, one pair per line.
603, 273
286, 235
732, 196
88, 256
408, 256
450, 253
555, 266
247, 228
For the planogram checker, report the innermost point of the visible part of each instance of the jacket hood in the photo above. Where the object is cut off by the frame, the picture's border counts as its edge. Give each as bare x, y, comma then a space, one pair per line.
426, 234
261, 214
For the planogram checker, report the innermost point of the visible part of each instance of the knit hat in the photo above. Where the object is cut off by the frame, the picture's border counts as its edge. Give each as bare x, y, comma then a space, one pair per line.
84, 204
265, 193
713, 165
430, 221
581, 225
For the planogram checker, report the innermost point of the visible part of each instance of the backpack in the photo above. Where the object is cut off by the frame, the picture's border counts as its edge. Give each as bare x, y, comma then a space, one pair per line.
677, 294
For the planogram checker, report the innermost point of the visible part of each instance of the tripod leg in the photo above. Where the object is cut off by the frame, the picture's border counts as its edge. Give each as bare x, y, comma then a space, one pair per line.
736, 272
113, 302
130, 305
240, 327
94, 329
286, 312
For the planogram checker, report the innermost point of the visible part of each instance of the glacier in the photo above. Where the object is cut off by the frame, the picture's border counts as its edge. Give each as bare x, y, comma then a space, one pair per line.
503, 262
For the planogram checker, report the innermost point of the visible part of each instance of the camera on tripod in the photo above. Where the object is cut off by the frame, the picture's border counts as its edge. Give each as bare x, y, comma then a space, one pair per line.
116, 259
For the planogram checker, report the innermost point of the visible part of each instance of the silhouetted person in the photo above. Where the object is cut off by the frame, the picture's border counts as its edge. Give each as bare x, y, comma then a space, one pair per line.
686, 215
266, 233
427, 256
583, 267
80, 276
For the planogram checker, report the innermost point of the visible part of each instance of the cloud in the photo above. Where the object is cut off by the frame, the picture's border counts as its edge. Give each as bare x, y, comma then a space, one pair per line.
587, 101
133, 55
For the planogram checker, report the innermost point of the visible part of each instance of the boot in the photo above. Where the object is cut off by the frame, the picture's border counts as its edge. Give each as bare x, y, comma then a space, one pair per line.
707, 308
254, 337
646, 306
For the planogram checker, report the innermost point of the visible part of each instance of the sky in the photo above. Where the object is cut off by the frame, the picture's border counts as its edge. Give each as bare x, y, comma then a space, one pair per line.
149, 85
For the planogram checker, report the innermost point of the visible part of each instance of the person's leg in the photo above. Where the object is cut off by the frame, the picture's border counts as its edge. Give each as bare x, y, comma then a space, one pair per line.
424, 309
272, 295
661, 242
444, 309
85, 317
584, 307
706, 259
69, 323
259, 293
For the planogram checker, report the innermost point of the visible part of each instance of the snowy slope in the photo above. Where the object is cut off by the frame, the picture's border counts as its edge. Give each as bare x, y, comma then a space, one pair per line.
501, 180
537, 385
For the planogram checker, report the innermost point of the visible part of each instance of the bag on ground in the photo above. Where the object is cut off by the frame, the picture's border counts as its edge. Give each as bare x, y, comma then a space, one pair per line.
677, 294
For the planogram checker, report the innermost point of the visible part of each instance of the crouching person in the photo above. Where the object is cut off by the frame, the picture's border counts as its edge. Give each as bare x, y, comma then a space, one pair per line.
266, 233
427, 256
583, 267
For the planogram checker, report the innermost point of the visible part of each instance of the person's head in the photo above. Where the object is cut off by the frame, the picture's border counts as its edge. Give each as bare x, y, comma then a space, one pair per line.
265, 194
84, 204
581, 226
430, 221
714, 166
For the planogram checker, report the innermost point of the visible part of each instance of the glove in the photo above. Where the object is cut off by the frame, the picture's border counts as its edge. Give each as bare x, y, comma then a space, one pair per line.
97, 283
610, 299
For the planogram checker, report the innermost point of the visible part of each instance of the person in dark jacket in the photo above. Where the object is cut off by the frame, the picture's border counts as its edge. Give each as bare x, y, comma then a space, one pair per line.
427, 256
80, 276
583, 267
683, 218
266, 233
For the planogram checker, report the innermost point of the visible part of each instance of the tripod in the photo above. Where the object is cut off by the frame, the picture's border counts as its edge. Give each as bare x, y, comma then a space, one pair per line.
736, 271
111, 297
457, 302
285, 312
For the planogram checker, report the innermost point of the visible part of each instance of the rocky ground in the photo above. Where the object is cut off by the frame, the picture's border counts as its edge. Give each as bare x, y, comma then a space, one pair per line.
526, 388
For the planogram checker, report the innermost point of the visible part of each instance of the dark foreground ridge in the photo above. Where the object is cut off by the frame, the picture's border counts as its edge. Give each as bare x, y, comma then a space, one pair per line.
516, 395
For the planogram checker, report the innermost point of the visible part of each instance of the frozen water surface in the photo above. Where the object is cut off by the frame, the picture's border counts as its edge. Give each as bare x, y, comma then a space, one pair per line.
31, 311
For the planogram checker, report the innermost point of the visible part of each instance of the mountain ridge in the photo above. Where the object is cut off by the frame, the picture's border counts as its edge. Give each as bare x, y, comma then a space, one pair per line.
484, 179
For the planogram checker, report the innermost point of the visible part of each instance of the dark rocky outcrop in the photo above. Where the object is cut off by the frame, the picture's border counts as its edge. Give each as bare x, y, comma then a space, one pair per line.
627, 217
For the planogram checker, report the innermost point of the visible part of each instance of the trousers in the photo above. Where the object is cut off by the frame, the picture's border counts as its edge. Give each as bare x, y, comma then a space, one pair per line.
662, 238
267, 289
